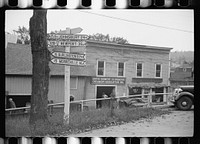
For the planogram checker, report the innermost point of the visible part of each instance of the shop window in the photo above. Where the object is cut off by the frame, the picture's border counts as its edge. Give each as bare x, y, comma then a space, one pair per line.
158, 70
135, 91
139, 69
100, 68
146, 91
120, 69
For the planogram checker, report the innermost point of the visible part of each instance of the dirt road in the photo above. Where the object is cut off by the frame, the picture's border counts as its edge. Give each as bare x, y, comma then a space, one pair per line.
175, 124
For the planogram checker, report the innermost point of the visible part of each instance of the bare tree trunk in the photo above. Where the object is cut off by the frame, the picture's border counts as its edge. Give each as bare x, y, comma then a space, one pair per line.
40, 70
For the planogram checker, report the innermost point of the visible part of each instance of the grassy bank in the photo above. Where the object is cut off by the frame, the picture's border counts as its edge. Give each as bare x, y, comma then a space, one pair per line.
79, 121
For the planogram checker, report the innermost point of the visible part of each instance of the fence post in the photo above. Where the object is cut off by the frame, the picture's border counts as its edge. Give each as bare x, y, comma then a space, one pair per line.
148, 105
149, 99
81, 105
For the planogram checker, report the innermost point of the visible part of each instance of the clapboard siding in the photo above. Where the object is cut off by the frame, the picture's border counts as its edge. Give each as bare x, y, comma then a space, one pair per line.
22, 85
18, 84
130, 57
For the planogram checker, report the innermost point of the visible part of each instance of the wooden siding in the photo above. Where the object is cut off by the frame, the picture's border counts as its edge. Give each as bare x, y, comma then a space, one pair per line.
130, 57
18, 85
22, 85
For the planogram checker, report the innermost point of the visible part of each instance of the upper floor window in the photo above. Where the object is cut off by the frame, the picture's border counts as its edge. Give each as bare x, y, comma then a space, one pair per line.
120, 69
100, 68
139, 69
158, 70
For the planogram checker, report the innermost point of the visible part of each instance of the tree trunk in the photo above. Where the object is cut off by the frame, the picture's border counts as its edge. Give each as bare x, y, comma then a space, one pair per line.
40, 70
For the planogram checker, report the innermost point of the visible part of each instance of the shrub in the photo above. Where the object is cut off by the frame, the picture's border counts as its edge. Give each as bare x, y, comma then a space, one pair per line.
79, 121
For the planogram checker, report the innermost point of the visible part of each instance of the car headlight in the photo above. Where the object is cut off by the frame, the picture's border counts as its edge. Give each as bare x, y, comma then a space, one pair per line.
177, 91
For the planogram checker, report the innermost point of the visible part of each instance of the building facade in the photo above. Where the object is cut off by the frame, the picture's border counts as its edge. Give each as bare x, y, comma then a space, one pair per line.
182, 75
128, 69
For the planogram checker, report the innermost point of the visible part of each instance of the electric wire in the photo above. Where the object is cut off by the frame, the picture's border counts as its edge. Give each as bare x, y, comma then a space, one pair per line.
131, 21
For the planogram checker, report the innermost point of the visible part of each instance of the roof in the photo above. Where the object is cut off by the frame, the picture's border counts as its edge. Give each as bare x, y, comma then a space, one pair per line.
19, 62
130, 46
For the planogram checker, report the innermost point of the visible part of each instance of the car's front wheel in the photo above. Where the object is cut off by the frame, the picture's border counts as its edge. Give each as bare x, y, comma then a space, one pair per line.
184, 103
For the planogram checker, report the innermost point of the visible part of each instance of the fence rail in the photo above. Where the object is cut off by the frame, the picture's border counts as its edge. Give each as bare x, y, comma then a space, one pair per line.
149, 101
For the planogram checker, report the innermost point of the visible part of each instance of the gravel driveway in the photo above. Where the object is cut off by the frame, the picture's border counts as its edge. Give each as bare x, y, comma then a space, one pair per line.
175, 124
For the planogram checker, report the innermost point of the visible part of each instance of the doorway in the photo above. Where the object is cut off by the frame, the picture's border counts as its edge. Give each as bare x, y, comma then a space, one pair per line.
99, 91
20, 100
158, 98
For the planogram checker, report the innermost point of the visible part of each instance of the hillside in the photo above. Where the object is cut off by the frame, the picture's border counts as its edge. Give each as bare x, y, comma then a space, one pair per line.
181, 56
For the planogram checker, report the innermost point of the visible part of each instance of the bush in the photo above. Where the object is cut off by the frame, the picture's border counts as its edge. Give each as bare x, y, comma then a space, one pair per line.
79, 121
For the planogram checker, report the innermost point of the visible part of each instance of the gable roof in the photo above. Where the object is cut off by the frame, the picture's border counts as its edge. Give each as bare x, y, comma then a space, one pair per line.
18, 61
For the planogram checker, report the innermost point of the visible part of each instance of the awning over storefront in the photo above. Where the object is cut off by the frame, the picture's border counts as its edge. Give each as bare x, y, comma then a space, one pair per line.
147, 85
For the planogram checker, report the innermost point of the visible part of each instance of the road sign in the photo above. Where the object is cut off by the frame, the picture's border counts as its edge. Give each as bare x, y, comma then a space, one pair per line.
68, 55
65, 43
68, 62
75, 30
61, 36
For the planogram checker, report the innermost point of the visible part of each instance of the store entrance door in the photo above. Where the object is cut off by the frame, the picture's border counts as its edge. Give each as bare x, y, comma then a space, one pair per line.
100, 90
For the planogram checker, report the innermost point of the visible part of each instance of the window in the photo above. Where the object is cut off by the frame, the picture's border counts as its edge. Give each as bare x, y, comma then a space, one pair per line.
139, 69
135, 91
158, 70
100, 69
146, 91
120, 69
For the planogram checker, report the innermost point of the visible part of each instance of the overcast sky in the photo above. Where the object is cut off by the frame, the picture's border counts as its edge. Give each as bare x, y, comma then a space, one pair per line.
165, 28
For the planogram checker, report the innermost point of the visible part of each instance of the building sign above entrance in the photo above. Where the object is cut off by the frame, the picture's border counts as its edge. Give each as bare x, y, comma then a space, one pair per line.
108, 81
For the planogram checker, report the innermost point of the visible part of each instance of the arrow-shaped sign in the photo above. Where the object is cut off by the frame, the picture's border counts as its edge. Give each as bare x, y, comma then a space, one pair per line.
68, 62
76, 56
66, 43
57, 36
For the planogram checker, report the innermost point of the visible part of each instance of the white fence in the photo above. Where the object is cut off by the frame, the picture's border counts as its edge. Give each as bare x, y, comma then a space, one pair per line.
148, 100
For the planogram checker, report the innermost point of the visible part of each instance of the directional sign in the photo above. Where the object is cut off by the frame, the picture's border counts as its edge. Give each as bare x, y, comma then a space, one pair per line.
75, 30
76, 56
61, 36
66, 43
68, 62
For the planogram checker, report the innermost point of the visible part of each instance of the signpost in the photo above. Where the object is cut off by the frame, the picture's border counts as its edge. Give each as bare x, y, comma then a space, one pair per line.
65, 43
57, 36
69, 62
67, 38
69, 55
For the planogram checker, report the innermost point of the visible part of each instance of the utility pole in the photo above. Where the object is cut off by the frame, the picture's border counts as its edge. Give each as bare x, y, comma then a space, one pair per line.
67, 86
69, 40
67, 78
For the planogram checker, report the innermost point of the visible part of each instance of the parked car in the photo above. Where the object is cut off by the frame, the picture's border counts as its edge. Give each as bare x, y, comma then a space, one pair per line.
183, 97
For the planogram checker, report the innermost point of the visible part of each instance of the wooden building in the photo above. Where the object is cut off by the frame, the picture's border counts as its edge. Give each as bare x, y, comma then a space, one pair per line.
182, 75
130, 69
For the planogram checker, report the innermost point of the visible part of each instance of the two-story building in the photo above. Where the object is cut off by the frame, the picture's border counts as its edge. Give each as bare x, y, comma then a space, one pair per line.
130, 69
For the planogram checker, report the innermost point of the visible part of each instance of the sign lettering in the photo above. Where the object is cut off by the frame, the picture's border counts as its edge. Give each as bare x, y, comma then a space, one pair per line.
53, 36
68, 62
65, 43
69, 55
108, 81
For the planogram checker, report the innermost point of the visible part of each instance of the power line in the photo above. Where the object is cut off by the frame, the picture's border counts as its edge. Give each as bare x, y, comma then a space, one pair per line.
131, 21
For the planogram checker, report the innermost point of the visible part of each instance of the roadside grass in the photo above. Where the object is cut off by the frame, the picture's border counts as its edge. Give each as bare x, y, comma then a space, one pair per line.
79, 121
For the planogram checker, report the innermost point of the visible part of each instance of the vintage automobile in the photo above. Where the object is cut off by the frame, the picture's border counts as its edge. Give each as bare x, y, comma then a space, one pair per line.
183, 97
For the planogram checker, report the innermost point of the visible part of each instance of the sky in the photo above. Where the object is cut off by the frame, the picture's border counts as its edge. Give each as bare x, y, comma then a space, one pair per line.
165, 28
